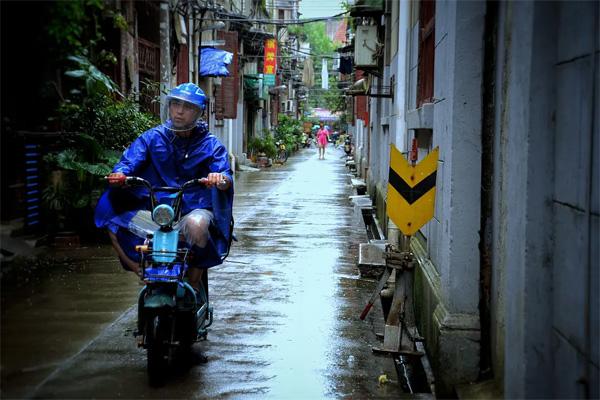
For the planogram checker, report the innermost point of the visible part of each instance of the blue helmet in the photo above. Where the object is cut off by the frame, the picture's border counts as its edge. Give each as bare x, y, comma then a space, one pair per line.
189, 92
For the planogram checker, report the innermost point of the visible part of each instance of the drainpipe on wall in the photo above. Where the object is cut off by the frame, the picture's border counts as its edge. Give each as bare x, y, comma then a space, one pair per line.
489, 363
368, 160
229, 124
192, 45
165, 52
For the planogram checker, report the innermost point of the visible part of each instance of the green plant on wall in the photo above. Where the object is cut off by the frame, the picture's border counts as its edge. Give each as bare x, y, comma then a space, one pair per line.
98, 124
75, 26
100, 110
83, 164
96, 82
289, 130
262, 145
75, 182
96, 119
269, 147
254, 146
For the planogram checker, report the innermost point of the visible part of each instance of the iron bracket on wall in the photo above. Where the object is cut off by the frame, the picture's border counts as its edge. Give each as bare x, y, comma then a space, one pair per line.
382, 91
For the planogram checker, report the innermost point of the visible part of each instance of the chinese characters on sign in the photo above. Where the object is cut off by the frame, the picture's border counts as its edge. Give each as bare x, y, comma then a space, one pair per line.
270, 62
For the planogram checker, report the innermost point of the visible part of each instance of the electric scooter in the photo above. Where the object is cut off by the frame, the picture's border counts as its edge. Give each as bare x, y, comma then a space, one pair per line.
347, 146
171, 314
282, 154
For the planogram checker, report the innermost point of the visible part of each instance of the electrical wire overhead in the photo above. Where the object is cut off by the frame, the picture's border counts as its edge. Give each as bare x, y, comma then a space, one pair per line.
223, 15
282, 22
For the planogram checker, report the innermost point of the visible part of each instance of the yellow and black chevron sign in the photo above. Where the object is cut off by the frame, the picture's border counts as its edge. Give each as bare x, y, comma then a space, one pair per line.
411, 191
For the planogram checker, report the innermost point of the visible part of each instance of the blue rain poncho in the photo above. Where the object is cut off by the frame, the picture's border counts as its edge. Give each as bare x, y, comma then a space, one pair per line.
164, 159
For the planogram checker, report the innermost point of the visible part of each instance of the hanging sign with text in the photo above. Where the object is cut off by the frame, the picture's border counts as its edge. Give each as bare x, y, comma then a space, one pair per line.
270, 62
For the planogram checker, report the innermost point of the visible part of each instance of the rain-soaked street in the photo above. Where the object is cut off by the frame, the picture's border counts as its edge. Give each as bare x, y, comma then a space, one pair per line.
286, 306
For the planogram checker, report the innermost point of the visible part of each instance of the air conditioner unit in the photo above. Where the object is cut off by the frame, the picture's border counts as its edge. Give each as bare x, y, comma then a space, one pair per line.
365, 46
336, 63
290, 106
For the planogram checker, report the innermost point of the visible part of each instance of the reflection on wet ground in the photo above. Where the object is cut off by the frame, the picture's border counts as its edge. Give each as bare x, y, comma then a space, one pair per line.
286, 306
54, 309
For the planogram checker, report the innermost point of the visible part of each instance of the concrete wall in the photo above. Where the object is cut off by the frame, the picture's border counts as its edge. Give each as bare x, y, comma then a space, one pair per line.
447, 284
380, 140
519, 157
546, 211
361, 145
388, 123
454, 232
576, 202
238, 128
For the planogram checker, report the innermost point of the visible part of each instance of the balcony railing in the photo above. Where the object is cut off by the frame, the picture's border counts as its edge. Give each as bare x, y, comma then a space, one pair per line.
149, 54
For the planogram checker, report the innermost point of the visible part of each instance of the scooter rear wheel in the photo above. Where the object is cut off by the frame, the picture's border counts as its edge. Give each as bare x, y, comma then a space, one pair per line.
282, 156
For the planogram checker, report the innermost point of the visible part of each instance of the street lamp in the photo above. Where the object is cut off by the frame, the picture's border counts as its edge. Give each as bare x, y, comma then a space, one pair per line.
276, 89
216, 25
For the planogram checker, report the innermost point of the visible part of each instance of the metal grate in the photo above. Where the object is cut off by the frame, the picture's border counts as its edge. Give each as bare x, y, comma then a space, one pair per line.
32, 186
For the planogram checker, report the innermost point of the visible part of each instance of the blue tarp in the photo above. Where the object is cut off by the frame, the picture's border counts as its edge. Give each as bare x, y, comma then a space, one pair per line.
214, 62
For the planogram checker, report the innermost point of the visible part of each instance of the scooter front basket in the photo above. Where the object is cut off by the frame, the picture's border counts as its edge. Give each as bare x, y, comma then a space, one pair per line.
163, 272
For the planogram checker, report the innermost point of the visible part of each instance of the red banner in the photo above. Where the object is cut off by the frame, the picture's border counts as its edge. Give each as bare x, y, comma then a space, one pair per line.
270, 63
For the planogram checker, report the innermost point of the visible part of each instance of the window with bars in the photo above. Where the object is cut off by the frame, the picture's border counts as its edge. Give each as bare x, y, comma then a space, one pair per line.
426, 52
227, 94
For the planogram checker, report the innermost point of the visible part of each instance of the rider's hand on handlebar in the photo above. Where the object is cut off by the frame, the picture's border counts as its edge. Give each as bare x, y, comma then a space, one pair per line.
216, 179
116, 179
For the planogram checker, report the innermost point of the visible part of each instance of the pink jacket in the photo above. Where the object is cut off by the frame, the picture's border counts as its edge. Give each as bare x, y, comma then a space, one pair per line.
322, 135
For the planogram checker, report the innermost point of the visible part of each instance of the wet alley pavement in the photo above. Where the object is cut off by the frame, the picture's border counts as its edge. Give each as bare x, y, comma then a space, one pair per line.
286, 306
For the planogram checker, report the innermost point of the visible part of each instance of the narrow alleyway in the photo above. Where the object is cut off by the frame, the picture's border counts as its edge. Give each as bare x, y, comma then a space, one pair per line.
286, 306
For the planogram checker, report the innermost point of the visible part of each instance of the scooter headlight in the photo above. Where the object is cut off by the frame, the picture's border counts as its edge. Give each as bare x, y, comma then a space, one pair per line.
163, 215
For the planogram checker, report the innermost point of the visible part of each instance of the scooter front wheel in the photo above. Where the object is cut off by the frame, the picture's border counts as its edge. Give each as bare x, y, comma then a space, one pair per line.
158, 350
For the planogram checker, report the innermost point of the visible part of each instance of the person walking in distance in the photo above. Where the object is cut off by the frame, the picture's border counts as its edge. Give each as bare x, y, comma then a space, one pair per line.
322, 139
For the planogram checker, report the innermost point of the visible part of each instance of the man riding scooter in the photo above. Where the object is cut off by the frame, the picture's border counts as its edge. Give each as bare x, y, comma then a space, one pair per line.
178, 150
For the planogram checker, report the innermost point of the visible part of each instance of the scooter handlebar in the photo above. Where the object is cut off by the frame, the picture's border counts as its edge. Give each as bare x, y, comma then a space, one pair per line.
123, 180
137, 181
194, 182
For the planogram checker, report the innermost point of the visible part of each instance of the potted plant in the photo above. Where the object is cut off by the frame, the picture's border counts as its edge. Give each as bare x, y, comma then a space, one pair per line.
255, 145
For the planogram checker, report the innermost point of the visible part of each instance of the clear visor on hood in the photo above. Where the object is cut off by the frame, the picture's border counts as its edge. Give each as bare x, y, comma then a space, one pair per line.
183, 116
